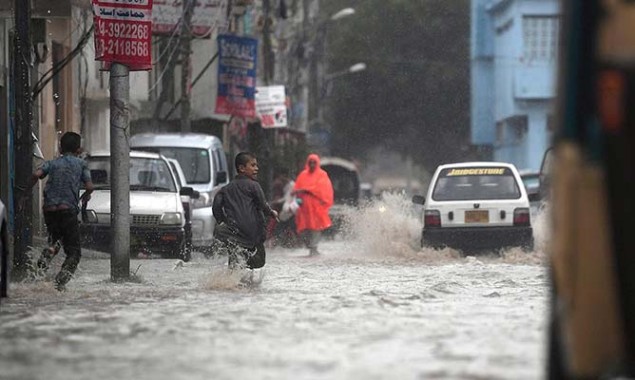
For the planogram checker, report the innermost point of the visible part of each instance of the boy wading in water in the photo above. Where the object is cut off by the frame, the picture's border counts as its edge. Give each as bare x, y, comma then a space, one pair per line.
240, 209
65, 175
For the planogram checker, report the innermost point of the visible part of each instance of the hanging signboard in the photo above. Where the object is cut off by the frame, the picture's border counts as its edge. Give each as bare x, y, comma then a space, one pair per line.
123, 30
271, 106
208, 15
236, 75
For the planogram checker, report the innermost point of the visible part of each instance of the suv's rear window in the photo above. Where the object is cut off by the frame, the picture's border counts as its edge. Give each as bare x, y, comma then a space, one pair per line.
475, 183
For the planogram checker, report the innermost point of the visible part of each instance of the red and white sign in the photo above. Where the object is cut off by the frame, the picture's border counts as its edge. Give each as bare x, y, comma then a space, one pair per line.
208, 15
271, 106
123, 31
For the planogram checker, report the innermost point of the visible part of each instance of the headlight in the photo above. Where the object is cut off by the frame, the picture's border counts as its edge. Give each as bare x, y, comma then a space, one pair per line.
171, 218
204, 200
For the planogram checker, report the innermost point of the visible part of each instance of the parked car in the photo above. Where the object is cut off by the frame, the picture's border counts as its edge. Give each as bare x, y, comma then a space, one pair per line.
156, 208
476, 206
346, 188
4, 252
204, 164
531, 181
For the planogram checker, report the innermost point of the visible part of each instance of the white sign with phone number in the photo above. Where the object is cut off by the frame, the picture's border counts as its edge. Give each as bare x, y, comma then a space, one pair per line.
123, 30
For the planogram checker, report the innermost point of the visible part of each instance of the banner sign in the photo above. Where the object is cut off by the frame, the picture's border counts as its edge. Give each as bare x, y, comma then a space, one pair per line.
123, 30
236, 75
206, 18
271, 106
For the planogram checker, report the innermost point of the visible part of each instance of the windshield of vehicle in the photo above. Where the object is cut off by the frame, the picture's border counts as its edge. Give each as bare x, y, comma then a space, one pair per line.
345, 184
194, 162
146, 174
475, 183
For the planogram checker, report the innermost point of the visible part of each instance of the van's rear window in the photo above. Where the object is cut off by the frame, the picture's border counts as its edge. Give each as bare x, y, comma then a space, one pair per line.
193, 161
475, 183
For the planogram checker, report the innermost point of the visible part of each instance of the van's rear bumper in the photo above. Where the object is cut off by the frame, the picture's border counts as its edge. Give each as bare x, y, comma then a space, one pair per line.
478, 238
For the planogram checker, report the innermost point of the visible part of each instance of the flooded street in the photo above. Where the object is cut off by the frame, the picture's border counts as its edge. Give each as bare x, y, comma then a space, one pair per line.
371, 308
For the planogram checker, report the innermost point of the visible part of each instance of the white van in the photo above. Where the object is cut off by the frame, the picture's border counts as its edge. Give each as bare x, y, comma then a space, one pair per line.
204, 164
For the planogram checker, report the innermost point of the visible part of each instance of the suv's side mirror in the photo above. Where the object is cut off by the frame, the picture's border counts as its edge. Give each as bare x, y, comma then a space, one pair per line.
221, 177
418, 199
187, 191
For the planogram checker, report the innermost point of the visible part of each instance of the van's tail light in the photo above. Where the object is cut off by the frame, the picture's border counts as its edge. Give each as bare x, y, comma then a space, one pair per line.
521, 217
431, 218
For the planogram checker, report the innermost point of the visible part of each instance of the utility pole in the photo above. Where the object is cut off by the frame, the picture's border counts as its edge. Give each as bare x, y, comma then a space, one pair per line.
23, 141
268, 135
120, 171
186, 75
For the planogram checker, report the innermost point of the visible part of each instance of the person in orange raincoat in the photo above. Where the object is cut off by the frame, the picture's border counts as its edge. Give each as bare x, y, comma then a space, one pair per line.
315, 190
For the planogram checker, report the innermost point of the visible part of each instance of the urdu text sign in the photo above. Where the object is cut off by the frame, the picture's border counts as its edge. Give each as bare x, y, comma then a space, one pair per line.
123, 30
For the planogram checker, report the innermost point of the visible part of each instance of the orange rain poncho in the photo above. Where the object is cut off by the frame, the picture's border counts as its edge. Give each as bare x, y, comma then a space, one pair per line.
313, 213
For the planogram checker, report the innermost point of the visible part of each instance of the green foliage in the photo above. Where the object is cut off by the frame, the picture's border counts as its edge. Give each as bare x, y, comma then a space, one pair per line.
414, 96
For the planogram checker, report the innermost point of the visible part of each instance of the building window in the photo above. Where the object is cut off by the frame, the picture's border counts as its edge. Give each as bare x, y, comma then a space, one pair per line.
512, 130
540, 37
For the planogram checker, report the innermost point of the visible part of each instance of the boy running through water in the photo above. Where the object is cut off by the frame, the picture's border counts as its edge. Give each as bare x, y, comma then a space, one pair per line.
240, 209
61, 205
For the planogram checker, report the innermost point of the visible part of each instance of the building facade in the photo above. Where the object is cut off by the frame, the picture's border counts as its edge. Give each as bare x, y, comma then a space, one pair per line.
514, 53
72, 92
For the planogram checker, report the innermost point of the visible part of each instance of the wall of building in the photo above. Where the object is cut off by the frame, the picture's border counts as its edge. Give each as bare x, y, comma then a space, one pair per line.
513, 77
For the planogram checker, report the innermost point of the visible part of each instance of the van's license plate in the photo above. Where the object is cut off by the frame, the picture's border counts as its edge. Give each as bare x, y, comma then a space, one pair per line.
477, 216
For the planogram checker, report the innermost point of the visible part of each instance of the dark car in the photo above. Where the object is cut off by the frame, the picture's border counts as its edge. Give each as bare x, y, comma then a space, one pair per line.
346, 188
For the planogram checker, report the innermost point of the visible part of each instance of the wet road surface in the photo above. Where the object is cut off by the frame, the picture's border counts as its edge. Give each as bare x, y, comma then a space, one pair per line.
371, 309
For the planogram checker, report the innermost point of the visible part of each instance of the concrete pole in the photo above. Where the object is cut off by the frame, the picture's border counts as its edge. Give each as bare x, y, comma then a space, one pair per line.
23, 141
119, 172
186, 75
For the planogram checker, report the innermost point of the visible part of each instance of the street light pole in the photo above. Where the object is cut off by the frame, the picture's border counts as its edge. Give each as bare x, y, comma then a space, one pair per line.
318, 63
328, 78
361, 66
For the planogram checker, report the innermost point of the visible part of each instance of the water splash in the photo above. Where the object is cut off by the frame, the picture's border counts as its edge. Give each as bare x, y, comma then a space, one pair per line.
542, 228
221, 279
385, 227
391, 227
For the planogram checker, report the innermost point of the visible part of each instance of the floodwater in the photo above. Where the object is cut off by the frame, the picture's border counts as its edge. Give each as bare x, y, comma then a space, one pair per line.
372, 306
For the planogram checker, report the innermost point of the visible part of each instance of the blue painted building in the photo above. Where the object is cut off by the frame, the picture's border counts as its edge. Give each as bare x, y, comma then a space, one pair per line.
514, 52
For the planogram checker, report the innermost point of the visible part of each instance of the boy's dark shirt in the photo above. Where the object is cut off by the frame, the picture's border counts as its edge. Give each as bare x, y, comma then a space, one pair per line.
65, 177
241, 205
